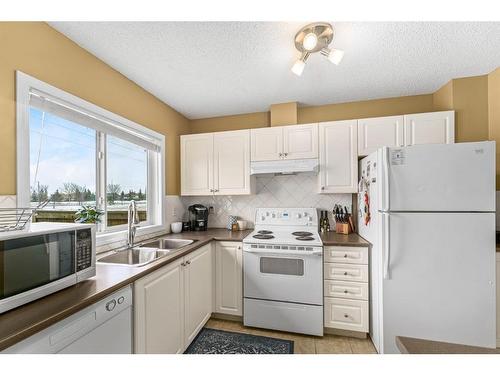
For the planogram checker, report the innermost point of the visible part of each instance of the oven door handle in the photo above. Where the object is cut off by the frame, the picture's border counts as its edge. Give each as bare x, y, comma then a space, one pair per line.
318, 252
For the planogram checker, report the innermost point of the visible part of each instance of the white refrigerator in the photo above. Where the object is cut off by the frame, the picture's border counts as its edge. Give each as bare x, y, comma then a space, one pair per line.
432, 229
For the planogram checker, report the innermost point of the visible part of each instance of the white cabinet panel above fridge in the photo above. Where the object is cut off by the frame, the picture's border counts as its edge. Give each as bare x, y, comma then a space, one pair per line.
456, 177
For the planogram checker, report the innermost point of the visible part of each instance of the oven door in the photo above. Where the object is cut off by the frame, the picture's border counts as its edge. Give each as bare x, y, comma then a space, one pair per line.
32, 267
294, 276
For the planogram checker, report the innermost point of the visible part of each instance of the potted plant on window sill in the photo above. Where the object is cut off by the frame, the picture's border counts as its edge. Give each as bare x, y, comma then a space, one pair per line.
88, 215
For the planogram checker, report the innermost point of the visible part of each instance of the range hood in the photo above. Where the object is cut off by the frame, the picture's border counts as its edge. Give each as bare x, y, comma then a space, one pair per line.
284, 166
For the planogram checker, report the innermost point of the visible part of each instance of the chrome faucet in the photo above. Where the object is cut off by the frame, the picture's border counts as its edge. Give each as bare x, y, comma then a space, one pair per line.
132, 223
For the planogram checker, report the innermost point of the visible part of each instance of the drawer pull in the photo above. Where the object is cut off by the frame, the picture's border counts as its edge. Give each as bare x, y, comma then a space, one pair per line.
345, 291
345, 255
346, 316
345, 273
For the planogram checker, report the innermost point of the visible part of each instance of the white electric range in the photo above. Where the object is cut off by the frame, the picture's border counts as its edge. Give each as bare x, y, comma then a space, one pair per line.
283, 271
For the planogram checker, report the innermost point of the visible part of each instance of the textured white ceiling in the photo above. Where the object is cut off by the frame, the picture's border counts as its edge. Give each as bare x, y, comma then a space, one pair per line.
206, 69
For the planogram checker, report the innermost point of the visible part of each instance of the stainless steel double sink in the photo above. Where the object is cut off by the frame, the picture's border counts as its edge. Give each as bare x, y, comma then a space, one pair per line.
145, 253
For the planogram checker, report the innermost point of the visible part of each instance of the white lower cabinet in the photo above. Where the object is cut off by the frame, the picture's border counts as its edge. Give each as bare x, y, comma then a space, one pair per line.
197, 291
173, 303
228, 278
346, 288
347, 314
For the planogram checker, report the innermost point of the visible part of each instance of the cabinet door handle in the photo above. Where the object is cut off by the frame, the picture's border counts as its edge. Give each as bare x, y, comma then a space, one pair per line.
281, 154
188, 262
183, 264
322, 188
285, 154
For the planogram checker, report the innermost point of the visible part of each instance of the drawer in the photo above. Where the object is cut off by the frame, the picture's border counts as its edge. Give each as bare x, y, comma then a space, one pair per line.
346, 289
346, 272
346, 254
352, 315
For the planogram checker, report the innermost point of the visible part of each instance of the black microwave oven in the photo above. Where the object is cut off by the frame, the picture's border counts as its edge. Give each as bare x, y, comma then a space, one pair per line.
44, 259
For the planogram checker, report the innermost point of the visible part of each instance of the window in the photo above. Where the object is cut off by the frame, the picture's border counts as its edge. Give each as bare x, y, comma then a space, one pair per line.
127, 180
72, 153
62, 166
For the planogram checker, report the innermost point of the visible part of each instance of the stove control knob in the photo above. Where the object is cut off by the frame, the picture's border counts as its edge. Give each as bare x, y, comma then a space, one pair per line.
305, 214
263, 218
267, 213
299, 216
273, 215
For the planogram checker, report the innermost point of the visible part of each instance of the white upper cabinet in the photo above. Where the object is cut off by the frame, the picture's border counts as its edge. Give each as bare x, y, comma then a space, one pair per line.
266, 144
216, 163
228, 278
300, 141
197, 164
433, 127
232, 163
284, 142
377, 132
338, 157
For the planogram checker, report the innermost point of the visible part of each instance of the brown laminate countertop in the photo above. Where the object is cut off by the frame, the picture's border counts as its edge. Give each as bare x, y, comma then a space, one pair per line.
337, 239
26, 320
410, 345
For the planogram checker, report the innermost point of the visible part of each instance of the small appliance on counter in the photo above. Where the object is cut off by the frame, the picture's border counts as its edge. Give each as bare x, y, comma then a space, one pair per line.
198, 216
43, 259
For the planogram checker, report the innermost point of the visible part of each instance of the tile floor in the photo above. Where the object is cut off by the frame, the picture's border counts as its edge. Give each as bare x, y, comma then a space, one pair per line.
328, 344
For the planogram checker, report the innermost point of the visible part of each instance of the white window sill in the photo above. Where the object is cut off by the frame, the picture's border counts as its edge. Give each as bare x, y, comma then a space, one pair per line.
110, 237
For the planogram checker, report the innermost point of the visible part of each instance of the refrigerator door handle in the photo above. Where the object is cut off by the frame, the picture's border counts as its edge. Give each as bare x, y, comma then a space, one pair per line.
386, 188
386, 245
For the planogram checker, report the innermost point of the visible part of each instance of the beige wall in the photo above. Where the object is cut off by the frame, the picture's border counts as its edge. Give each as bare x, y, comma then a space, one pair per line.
38, 50
442, 99
494, 114
367, 108
330, 112
470, 102
235, 122
283, 114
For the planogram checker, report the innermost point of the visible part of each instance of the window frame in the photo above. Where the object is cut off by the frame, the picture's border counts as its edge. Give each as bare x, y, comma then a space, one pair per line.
156, 160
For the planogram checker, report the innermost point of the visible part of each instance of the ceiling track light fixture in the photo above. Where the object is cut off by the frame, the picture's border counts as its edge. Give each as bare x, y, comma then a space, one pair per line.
315, 37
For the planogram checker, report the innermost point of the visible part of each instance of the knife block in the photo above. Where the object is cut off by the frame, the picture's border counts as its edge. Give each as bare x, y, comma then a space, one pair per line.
343, 228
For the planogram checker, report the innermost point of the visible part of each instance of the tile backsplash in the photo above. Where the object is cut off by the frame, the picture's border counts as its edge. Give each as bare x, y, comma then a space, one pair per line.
271, 191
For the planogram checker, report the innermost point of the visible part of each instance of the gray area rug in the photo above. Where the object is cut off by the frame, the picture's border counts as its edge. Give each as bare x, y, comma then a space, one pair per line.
214, 341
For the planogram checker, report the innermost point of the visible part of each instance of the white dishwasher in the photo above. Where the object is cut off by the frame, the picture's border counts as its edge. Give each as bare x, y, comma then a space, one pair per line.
102, 328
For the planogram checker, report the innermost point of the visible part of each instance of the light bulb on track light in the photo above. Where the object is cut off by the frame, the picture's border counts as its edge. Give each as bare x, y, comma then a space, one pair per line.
335, 56
298, 67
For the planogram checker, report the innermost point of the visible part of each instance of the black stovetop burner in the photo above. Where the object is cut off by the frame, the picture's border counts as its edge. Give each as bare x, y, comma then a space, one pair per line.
265, 232
302, 234
305, 238
263, 236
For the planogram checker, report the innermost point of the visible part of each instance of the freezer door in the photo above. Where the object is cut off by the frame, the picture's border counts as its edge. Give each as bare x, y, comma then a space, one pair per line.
441, 280
451, 177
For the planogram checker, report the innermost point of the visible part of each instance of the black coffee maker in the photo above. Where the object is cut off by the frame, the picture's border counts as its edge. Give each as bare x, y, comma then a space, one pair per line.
198, 216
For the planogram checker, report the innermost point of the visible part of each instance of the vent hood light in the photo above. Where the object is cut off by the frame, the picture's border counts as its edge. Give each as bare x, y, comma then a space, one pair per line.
284, 167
